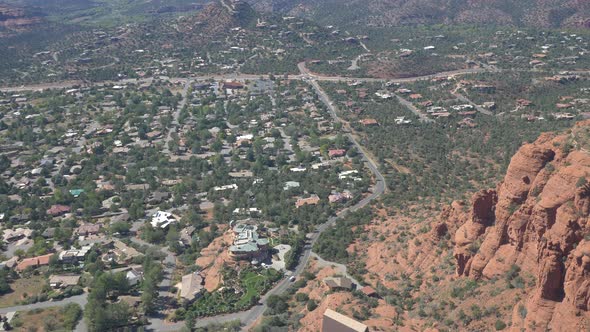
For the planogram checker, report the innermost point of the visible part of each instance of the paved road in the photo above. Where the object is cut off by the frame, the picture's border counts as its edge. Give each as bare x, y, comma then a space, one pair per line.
79, 299
467, 101
413, 109
157, 321
176, 115
305, 74
169, 262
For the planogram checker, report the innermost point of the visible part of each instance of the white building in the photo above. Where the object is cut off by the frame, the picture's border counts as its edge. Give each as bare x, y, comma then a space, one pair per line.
290, 184
226, 187
162, 219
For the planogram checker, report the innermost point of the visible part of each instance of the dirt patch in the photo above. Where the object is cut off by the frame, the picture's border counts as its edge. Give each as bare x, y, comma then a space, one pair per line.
21, 289
48, 319
399, 168
213, 258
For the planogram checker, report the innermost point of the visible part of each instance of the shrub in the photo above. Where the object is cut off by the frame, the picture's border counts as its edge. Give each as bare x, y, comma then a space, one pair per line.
522, 311
500, 325
72, 313
301, 297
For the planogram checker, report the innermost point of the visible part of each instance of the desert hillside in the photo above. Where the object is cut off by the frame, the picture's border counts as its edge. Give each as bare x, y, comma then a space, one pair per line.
537, 13
537, 219
514, 257
15, 18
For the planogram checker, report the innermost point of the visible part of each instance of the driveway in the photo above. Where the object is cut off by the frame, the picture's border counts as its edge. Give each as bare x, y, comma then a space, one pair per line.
279, 264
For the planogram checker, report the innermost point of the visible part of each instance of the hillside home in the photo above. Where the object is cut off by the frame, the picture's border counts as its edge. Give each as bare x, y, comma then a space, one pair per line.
248, 244
336, 322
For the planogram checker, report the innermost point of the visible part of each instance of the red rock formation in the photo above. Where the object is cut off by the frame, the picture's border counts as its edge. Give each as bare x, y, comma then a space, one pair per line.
537, 219
15, 18
481, 217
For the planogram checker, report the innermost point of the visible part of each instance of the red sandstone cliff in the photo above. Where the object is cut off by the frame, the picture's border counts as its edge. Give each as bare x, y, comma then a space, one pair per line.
537, 219
14, 18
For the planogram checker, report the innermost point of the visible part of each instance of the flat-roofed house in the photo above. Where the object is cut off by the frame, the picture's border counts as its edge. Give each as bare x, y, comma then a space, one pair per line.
335, 322
63, 281
247, 243
338, 283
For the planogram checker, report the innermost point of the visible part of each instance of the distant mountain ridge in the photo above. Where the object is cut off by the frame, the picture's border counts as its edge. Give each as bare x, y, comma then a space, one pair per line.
217, 18
104, 12
532, 13
15, 18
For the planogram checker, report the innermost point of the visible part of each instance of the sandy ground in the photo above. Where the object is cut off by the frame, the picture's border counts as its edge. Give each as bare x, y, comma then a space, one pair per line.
212, 259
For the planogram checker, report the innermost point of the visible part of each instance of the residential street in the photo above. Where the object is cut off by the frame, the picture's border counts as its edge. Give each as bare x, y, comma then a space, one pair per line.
175, 116
79, 299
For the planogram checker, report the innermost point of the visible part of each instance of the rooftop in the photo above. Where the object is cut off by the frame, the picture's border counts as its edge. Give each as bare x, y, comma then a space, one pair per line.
334, 321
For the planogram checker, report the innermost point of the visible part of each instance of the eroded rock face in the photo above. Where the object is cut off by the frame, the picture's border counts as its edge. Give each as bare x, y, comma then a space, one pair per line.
16, 18
481, 217
536, 219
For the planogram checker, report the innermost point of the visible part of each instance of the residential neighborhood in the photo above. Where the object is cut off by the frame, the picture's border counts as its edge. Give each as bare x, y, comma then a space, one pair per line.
241, 160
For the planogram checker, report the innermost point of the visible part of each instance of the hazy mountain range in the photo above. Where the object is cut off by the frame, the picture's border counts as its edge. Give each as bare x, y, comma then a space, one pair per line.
537, 13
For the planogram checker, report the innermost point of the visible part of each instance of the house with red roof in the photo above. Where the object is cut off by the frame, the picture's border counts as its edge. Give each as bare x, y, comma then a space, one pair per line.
58, 210
369, 291
369, 122
332, 153
34, 262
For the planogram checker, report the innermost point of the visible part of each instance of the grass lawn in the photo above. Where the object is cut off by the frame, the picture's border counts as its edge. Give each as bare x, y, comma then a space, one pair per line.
30, 286
253, 284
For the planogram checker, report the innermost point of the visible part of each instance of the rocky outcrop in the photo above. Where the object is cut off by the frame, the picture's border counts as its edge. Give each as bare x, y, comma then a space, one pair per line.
481, 217
537, 219
14, 18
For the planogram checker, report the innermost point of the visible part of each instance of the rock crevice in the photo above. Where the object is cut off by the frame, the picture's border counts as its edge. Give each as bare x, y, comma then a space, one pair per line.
537, 219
